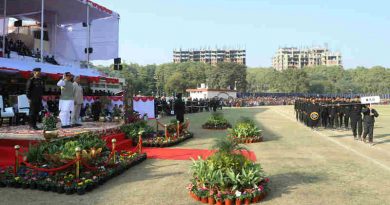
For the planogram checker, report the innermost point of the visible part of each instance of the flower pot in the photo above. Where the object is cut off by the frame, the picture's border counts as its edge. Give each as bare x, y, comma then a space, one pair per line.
219, 203
256, 199
204, 200
228, 202
247, 201
238, 201
80, 191
211, 200
69, 191
50, 134
25, 186
17, 185
60, 189
46, 187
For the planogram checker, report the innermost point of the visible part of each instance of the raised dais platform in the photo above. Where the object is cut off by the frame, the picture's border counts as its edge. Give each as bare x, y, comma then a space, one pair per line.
23, 132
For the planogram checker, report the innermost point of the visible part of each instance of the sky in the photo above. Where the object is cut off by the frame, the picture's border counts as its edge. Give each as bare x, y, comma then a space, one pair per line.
151, 29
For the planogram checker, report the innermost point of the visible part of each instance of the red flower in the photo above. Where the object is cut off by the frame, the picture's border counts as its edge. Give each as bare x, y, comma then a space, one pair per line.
266, 180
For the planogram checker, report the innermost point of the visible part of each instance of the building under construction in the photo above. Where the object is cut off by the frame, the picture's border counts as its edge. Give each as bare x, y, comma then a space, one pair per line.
211, 56
295, 58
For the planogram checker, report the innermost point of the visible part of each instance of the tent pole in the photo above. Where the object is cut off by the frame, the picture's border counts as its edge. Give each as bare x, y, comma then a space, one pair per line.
42, 22
4, 26
88, 35
55, 34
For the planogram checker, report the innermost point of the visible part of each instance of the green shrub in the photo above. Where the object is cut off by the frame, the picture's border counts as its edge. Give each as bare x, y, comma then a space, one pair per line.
132, 130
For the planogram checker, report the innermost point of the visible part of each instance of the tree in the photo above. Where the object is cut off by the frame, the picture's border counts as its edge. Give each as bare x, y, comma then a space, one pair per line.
227, 75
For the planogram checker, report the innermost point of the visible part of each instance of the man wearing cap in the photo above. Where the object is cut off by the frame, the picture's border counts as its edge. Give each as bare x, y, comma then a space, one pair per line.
179, 108
66, 104
78, 101
35, 89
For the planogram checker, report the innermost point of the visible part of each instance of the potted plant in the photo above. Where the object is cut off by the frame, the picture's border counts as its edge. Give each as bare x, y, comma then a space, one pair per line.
116, 113
218, 198
229, 199
49, 126
81, 186
102, 117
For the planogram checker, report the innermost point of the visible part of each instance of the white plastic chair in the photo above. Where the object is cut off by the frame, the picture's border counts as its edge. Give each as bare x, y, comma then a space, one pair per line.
23, 104
7, 112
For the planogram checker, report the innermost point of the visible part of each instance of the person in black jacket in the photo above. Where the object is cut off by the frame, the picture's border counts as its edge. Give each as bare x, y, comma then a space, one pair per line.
369, 115
356, 119
179, 108
34, 90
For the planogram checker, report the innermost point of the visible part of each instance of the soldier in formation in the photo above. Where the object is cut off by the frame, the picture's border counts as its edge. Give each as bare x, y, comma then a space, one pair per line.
337, 113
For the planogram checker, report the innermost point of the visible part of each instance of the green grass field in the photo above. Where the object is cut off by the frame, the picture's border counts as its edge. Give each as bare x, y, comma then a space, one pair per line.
305, 166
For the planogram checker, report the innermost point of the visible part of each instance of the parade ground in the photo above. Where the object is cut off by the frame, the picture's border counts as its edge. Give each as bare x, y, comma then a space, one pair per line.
305, 166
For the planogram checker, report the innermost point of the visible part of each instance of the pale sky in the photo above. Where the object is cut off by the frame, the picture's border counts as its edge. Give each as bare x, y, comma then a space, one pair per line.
151, 29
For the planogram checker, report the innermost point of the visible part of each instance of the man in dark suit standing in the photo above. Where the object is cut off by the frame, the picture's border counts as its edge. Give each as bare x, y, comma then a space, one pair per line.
35, 89
179, 108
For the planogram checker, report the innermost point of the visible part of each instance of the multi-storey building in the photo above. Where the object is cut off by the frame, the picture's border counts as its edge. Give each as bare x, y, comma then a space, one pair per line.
292, 57
211, 56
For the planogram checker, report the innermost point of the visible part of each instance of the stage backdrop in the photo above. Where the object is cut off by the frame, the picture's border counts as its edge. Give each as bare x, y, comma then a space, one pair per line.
144, 105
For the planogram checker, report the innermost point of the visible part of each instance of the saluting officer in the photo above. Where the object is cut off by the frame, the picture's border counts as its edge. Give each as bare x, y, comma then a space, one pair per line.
35, 89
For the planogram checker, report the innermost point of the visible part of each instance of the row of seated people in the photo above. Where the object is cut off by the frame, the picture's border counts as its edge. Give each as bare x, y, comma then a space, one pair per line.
22, 49
89, 111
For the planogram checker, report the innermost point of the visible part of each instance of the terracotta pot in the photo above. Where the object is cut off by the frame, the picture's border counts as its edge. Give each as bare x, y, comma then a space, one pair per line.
261, 197
228, 202
238, 201
256, 199
204, 200
247, 201
219, 203
211, 200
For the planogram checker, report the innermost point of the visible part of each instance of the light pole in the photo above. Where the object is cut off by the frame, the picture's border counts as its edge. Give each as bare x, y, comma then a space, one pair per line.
350, 90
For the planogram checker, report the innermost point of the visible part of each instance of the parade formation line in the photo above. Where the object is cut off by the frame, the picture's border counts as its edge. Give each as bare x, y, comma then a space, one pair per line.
384, 166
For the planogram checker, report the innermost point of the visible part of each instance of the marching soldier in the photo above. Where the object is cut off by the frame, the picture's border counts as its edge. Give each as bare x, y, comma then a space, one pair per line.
347, 113
332, 114
369, 115
356, 119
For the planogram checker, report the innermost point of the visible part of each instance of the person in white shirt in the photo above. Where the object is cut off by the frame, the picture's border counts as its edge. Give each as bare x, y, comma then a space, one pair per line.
66, 100
78, 102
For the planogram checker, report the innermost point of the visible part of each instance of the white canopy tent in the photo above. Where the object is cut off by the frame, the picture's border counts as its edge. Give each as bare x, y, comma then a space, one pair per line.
68, 30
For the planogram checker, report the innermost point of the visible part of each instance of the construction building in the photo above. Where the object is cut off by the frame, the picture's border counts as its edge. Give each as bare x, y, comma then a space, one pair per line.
211, 56
295, 58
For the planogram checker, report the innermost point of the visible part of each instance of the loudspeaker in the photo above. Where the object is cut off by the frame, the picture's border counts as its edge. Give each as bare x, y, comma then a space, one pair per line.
117, 60
118, 67
18, 23
90, 50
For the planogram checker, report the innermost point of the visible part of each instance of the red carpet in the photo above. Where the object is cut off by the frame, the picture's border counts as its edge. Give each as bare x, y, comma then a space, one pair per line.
185, 154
